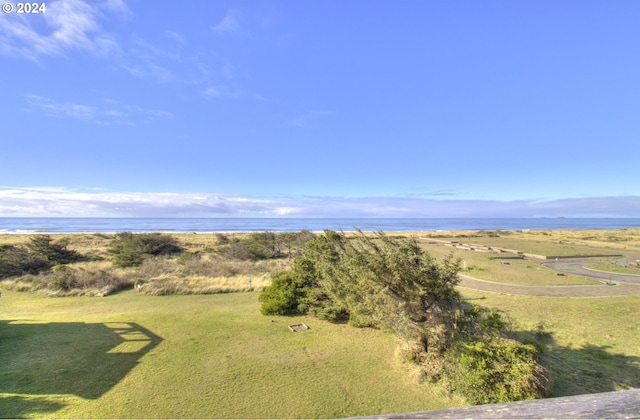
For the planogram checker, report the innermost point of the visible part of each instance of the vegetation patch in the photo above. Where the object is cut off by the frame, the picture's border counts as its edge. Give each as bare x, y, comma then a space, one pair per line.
92, 279
199, 356
394, 285
493, 267
627, 268
130, 250
215, 356
153, 263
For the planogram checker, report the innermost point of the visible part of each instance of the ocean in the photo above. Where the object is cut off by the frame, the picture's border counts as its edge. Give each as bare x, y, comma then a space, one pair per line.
17, 225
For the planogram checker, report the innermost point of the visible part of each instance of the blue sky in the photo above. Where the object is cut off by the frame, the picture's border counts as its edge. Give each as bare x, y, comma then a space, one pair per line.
321, 109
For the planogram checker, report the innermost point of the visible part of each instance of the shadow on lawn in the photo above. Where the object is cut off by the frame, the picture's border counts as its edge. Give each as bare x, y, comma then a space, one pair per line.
75, 358
586, 369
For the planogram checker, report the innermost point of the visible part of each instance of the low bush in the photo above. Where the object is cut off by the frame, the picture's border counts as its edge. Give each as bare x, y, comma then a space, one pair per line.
496, 370
265, 245
130, 250
54, 252
281, 297
15, 261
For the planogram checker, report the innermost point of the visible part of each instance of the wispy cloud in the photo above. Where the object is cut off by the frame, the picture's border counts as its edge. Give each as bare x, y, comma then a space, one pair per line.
149, 61
217, 92
310, 117
51, 202
65, 202
176, 37
110, 111
427, 193
117, 6
68, 25
148, 69
230, 23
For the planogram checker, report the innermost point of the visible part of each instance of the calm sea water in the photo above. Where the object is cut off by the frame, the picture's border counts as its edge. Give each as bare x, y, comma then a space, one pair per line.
111, 225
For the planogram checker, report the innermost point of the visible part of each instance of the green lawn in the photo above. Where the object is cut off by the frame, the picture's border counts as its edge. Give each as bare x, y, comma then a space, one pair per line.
502, 269
613, 268
555, 243
593, 344
134, 356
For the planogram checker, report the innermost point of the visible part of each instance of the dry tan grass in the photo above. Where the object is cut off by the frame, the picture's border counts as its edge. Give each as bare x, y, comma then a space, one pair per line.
613, 239
173, 285
80, 279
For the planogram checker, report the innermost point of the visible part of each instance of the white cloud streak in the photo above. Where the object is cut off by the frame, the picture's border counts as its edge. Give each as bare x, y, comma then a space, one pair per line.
62, 202
218, 92
106, 113
230, 23
68, 25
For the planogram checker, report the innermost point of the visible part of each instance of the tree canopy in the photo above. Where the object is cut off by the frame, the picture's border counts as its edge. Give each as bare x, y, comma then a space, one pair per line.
393, 284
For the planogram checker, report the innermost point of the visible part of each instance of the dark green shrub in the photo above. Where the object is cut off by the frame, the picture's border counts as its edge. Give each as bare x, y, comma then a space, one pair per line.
62, 278
54, 252
187, 258
493, 322
281, 298
265, 245
222, 239
496, 370
16, 261
256, 246
130, 249
331, 313
237, 249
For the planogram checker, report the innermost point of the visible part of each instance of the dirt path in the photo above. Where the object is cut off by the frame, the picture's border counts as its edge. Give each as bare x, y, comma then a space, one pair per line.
582, 291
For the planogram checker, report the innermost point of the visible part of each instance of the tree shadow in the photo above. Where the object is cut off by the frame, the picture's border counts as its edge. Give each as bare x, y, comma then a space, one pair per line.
18, 407
587, 369
77, 358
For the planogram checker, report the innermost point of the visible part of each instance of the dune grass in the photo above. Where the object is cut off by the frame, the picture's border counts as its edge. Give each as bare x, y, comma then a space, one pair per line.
200, 285
131, 355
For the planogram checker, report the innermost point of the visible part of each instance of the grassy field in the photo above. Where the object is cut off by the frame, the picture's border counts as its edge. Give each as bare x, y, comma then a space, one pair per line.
592, 344
135, 356
613, 268
560, 242
504, 268
132, 355
500, 268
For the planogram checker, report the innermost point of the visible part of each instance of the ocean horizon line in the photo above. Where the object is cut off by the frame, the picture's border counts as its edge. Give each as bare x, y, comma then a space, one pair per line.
33, 225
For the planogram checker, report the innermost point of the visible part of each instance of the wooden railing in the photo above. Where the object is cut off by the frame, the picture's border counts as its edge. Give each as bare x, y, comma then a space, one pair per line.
607, 405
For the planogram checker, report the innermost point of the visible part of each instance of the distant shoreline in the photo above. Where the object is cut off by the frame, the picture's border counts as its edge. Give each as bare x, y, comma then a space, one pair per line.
238, 225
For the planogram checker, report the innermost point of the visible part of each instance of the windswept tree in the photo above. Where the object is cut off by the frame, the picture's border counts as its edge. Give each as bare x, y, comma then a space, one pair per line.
393, 284
376, 281
389, 283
